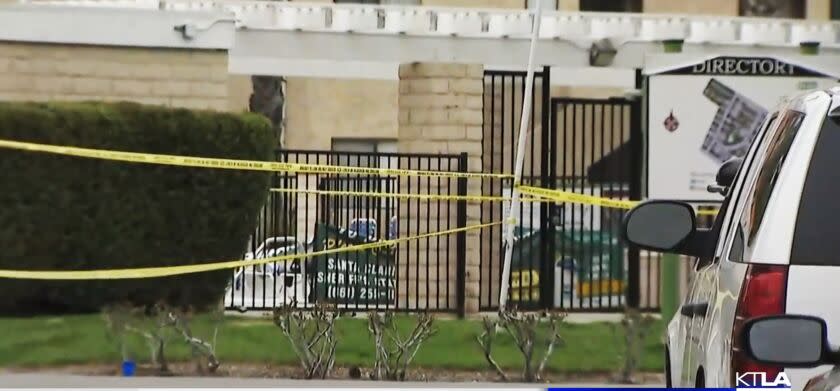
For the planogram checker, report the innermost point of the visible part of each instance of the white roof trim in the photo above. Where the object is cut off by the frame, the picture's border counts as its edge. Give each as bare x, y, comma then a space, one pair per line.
360, 70
313, 68
116, 27
268, 35
612, 77
579, 27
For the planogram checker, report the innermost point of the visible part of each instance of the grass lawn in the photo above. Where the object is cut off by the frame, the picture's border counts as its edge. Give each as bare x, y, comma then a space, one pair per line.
49, 341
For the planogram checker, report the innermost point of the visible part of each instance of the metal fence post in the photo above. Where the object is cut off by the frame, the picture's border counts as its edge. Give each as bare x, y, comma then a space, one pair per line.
548, 180
633, 256
461, 238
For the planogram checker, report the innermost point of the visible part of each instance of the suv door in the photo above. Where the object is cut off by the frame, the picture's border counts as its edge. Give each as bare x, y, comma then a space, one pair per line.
701, 311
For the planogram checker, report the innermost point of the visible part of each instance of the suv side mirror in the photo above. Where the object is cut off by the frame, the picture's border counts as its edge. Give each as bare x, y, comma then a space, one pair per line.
660, 225
725, 176
787, 340
726, 173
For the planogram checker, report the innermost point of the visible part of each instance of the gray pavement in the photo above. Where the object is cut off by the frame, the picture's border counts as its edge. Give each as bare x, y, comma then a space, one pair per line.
39, 380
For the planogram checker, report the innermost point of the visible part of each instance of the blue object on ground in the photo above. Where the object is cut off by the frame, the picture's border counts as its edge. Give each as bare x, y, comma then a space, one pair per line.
128, 368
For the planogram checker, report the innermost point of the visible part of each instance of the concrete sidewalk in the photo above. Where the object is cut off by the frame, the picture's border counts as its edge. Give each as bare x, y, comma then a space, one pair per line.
33, 380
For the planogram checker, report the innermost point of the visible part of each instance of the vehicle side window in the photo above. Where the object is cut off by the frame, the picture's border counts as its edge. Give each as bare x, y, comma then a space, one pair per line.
761, 183
736, 252
730, 205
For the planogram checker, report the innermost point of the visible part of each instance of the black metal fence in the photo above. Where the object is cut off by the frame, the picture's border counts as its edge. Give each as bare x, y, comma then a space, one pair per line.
566, 256
504, 93
597, 151
305, 213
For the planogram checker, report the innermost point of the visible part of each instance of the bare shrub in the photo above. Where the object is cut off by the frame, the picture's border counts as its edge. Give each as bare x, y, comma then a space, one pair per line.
634, 328
394, 350
526, 332
159, 325
312, 336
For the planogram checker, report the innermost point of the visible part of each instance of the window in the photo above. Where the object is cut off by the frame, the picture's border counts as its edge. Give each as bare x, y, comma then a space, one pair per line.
761, 181
835, 9
611, 5
378, 2
730, 208
736, 253
361, 213
815, 233
772, 8
769, 170
363, 152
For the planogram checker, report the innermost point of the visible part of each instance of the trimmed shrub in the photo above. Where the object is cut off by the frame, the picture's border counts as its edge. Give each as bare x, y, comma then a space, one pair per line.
69, 213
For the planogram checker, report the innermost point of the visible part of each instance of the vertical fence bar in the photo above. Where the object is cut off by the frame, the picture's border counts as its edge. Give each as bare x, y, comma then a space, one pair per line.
429, 251
311, 275
550, 152
437, 239
461, 245
487, 234
590, 131
449, 304
569, 122
602, 212
610, 170
548, 179
417, 232
633, 283
398, 250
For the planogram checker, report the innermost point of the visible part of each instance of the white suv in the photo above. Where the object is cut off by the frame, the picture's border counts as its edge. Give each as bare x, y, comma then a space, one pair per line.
774, 247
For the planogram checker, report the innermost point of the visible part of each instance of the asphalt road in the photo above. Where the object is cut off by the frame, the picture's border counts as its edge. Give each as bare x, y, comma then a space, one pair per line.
32, 380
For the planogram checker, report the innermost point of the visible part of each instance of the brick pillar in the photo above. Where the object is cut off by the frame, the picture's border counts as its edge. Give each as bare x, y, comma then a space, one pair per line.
441, 111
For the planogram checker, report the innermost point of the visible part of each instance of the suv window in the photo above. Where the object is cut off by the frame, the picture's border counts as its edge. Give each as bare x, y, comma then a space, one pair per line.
728, 209
759, 188
815, 237
768, 173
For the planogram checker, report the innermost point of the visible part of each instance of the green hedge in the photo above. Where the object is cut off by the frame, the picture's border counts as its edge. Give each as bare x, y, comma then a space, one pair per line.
68, 213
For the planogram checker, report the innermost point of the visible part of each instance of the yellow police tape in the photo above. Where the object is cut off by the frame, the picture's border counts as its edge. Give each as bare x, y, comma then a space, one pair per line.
256, 165
538, 195
166, 271
232, 164
565, 196
423, 197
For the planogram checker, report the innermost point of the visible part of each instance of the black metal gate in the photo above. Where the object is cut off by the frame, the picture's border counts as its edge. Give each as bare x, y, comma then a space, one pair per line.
566, 256
306, 212
504, 93
597, 151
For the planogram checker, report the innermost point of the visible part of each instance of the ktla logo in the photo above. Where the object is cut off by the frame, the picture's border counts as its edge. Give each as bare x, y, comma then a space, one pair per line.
755, 380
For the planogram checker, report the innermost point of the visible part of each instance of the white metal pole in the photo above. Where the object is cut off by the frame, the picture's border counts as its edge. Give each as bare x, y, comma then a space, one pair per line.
527, 101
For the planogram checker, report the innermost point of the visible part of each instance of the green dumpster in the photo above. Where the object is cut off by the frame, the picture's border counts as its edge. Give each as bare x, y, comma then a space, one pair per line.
525, 268
590, 267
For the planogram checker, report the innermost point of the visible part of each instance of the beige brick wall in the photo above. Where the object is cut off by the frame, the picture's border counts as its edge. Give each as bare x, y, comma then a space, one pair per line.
239, 92
440, 111
818, 9
705, 7
814, 9
319, 110
183, 78
568, 5
476, 3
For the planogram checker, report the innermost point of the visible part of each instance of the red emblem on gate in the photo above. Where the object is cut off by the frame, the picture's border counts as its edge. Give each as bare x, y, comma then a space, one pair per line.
671, 123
